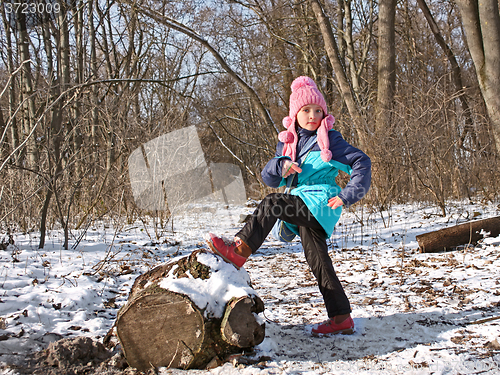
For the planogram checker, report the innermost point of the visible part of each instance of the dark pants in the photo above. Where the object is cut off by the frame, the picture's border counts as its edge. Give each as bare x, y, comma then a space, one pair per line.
293, 210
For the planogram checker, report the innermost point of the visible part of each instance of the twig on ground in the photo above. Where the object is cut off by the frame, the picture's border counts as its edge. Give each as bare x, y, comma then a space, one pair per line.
485, 320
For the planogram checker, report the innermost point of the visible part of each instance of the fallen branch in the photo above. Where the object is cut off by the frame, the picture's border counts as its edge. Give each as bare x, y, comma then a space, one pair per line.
462, 234
485, 320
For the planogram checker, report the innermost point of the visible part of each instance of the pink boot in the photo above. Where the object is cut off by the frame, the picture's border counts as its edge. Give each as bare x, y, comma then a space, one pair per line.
225, 250
330, 327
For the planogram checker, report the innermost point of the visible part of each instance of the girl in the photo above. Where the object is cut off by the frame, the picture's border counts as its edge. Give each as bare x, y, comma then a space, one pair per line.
313, 207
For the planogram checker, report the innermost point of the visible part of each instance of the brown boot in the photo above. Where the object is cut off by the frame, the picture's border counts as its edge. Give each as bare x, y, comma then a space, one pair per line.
242, 248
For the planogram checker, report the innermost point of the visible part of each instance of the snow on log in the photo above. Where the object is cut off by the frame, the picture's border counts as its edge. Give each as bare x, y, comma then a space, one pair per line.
184, 313
462, 234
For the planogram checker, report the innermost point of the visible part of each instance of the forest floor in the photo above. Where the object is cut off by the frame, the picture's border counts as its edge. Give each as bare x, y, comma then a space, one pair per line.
414, 313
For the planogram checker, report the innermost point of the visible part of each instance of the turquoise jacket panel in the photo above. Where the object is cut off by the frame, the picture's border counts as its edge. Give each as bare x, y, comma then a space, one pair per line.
316, 183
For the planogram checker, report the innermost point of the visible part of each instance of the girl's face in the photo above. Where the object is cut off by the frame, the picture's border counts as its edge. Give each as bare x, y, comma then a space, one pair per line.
309, 117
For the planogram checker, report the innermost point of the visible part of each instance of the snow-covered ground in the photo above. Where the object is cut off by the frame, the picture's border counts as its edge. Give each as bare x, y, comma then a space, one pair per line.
414, 313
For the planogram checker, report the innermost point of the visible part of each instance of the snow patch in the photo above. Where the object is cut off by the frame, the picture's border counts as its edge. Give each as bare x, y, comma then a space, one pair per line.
212, 294
414, 313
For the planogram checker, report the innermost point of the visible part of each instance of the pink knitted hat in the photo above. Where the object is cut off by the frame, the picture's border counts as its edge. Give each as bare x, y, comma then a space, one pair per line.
304, 92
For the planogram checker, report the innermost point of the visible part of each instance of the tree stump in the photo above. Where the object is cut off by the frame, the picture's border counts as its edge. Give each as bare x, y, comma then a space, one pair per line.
462, 234
184, 313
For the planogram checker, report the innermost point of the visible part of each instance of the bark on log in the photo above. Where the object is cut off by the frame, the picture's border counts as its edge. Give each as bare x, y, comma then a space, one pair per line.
462, 234
159, 327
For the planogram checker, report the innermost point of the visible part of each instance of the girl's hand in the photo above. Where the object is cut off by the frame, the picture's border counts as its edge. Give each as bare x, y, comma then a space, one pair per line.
289, 168
334, 203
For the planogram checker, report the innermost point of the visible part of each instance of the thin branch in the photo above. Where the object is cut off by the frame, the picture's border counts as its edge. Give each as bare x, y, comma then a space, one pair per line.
64, 94
230, 151
171, 23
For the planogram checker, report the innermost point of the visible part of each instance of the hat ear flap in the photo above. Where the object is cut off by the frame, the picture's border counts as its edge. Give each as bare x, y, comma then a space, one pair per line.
328, 122
323, 139
289, 138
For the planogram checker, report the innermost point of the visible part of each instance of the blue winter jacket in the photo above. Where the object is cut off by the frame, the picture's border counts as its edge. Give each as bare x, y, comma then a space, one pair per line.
316, 183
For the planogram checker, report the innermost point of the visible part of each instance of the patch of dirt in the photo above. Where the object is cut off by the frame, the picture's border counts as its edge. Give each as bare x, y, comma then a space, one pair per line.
79, 350
76, 356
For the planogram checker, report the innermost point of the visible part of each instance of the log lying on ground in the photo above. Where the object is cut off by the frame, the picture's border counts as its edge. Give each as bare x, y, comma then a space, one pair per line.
462, 234
187, 312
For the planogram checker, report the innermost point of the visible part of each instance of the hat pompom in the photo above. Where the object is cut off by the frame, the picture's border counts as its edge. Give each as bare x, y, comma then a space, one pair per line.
329, 121
326, 155
287, 121
302, 81
286, 137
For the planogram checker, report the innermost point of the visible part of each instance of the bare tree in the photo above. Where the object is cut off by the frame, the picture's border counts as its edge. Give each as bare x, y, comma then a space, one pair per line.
340, 73
14, 134
386, 64
83, 91
481, 21
27, 89
355, 66
456, 72
193, 34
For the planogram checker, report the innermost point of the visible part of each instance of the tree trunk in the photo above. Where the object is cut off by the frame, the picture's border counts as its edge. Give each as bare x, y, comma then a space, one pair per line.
481, 22
77, 8
166, 325
14, 135
463, 234
43, 218
94, 99
27, 90
386, 65
54, 126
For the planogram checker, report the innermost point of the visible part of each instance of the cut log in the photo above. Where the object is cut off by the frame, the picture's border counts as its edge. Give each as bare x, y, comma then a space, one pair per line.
187, 312
239, 326
462, 234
